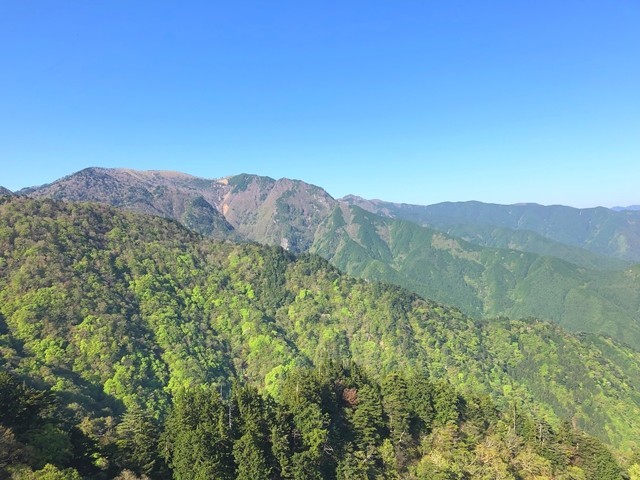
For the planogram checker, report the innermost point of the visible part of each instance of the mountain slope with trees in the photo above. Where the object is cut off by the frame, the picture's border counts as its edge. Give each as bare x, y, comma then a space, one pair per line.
120, 315
594, 294
600, 230
481, 281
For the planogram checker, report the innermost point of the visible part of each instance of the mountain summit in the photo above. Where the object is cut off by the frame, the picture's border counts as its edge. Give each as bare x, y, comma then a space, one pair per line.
281, 212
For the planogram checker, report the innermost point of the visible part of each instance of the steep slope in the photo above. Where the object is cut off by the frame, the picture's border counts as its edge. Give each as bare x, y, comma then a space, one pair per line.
481, 281
5, 191
118, 310
599, 230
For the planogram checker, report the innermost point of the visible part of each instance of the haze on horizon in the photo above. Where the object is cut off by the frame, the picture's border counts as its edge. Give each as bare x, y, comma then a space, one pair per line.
407, 102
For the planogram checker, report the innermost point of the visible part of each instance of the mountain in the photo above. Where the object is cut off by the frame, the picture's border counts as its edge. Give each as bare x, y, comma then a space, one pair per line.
630, 207
277, 212
481, 281
595, 294
599, 230
168, 194
503, 237
118, 313
5, 191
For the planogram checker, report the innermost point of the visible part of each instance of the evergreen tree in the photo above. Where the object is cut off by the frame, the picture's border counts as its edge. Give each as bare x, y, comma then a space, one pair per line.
197, 437
445, 403
367, 417
397, 409
137, 442
419, 394
252, 450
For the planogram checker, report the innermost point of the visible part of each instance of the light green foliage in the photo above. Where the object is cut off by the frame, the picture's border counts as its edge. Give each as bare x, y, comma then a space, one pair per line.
48, 472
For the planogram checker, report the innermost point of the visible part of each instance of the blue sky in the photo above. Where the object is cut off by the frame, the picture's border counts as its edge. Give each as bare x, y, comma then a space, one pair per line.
420, 102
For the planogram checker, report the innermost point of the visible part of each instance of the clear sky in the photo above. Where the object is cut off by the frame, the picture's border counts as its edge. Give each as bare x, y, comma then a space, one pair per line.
419, 102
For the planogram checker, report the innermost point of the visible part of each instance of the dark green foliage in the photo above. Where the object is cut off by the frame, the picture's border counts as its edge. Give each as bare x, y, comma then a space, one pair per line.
138, 436
367, 419
251, 451
32, 428
198, 439
22, 408
397, 409
445, 403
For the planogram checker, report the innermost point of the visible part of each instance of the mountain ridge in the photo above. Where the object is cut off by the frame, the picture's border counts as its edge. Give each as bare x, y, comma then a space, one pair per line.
618, 235
484, 277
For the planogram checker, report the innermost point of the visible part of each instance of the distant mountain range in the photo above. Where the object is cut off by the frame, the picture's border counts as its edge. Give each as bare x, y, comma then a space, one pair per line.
5, 191
598, 230
573, 266
630, 207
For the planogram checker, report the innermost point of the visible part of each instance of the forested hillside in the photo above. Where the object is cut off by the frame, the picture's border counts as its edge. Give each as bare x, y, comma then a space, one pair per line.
599, 230
146, 347
481, 281
484, 268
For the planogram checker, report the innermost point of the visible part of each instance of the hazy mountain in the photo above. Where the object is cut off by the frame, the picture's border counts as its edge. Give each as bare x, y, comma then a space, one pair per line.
481, 281
599, 230
630, 207
119, 311
5, 191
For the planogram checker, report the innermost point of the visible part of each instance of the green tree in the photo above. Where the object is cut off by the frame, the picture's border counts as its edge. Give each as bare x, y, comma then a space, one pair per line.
197, 438
137, 442
252, 450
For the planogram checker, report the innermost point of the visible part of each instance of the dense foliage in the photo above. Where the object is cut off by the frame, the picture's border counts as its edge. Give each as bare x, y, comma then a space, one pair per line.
482, 281
331, 422
570, 266
599, 230
136, 345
